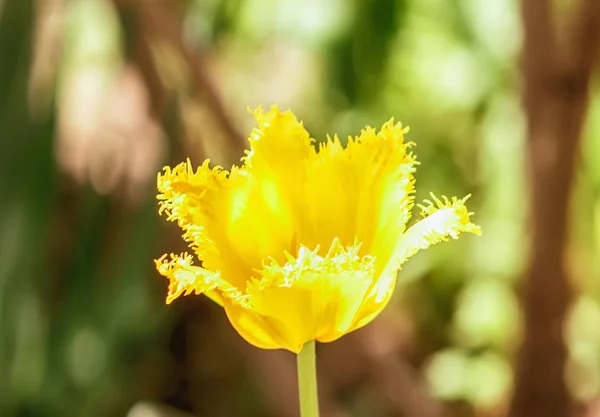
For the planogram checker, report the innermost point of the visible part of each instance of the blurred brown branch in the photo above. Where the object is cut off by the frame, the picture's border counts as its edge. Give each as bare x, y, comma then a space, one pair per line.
557, 77
158, 21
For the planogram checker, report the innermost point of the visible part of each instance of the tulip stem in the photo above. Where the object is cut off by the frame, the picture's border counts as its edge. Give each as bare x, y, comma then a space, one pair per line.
307, 381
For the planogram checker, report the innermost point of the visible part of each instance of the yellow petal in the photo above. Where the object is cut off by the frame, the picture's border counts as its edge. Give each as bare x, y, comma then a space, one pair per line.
362, 193
273, 213
260, 331
278, 146
377, 298
185, 278
441, 220
316, 297
182, 198
204, 203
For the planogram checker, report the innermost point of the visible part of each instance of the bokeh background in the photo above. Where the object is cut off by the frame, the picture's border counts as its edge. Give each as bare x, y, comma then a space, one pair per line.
97, 95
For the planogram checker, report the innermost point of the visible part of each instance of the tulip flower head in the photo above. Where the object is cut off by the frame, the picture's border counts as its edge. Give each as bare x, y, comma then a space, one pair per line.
301, 242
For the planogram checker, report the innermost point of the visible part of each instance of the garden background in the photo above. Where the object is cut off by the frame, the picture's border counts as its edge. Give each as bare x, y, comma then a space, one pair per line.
503, 102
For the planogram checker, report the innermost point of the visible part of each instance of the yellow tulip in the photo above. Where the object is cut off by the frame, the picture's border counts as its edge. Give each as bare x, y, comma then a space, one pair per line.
301, 242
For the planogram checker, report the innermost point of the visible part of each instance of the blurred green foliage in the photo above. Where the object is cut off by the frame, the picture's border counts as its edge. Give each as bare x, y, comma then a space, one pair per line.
84, 330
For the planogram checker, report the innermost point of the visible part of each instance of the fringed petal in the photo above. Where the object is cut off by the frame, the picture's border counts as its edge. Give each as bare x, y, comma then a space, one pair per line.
185, 278
182, 199
273, 213
363, 192
279, 140
317, 297
209, 205
442, 219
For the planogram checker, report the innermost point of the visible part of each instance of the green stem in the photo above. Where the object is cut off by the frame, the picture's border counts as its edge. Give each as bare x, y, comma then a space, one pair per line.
307, 381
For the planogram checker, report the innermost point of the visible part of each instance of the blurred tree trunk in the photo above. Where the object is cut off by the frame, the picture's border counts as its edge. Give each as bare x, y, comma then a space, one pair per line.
557, 73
